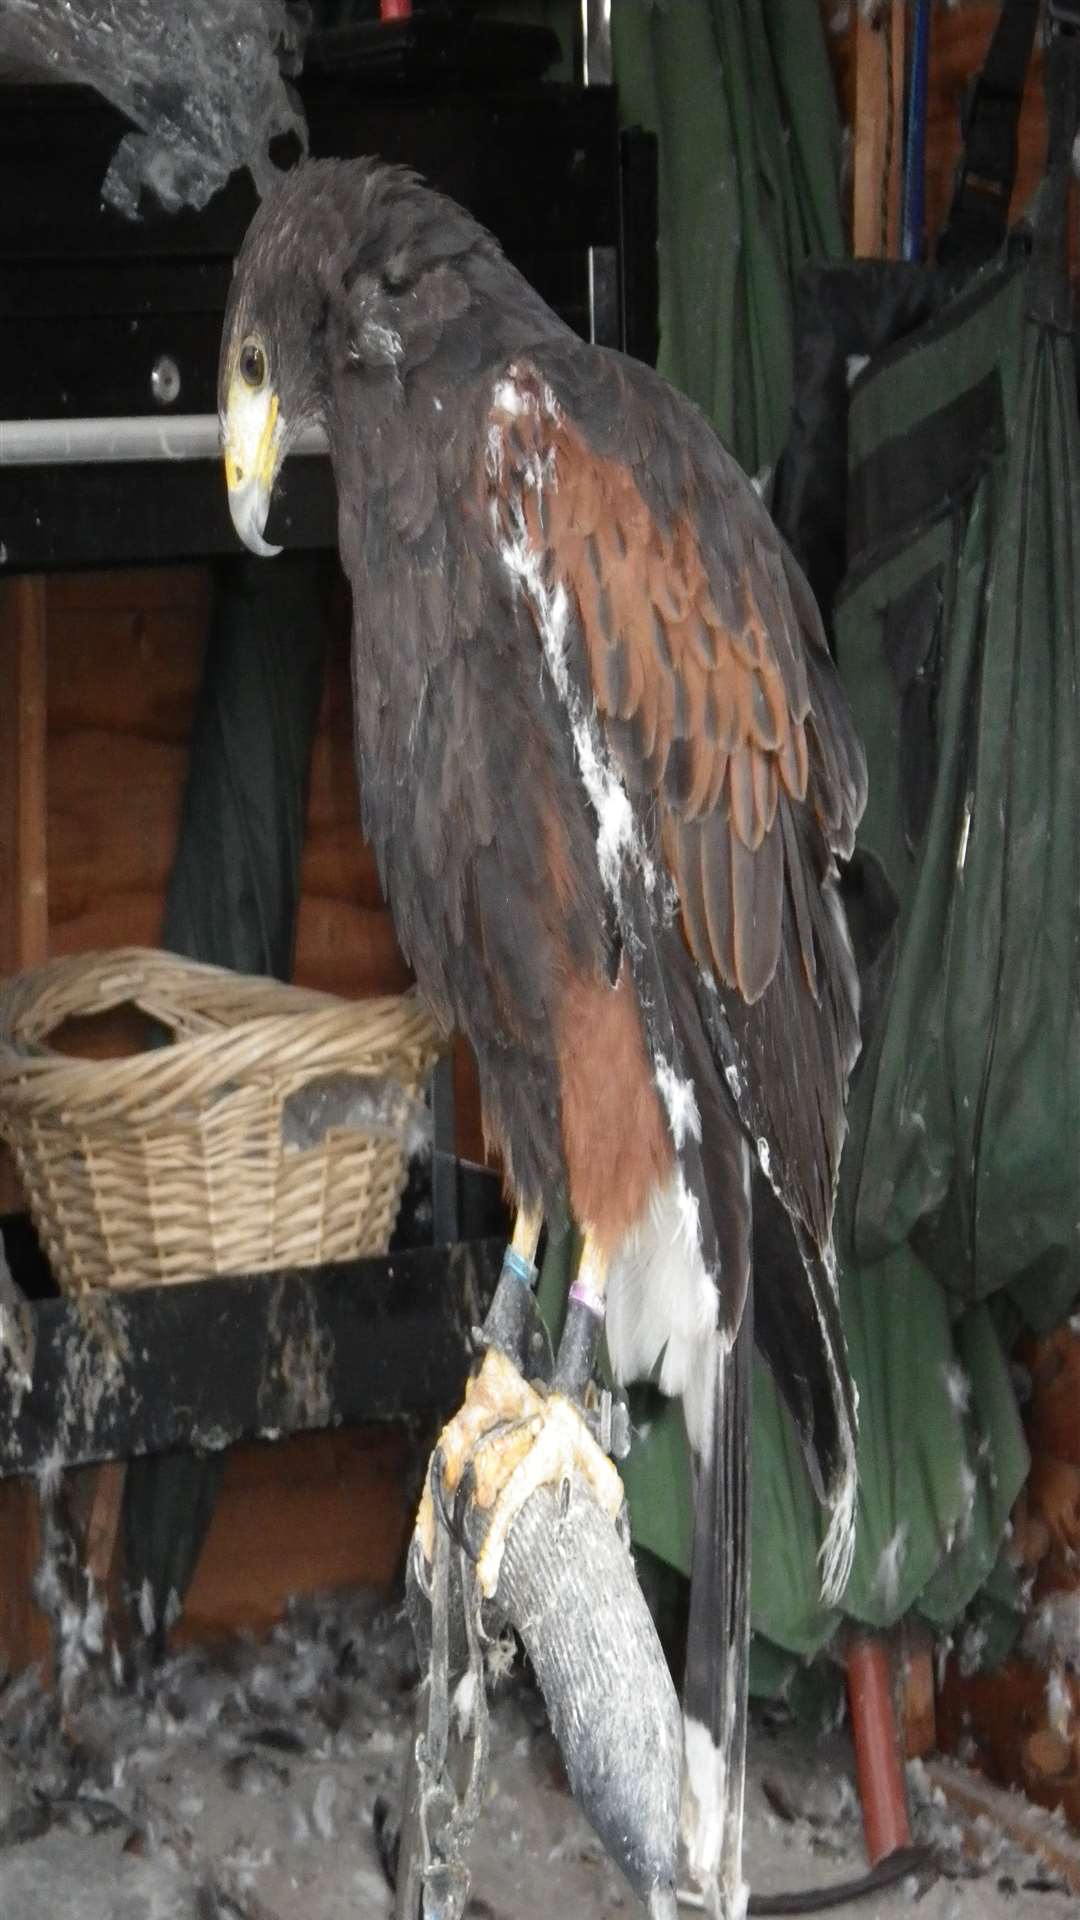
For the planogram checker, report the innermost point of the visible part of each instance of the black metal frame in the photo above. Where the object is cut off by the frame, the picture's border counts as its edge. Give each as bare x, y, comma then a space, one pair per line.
89, 300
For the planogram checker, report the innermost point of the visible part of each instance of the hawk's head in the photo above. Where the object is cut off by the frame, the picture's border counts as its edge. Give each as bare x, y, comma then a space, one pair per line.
353, 276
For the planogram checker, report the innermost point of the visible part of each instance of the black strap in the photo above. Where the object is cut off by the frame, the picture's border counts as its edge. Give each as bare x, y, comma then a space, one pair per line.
979, 215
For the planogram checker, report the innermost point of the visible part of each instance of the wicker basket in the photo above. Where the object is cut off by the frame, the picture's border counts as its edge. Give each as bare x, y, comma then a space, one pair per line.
170, 1164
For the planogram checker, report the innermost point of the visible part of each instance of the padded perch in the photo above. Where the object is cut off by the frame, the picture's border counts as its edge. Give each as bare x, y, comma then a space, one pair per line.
568, 1586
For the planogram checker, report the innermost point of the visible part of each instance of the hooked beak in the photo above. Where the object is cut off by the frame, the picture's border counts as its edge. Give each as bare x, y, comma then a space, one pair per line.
252, 435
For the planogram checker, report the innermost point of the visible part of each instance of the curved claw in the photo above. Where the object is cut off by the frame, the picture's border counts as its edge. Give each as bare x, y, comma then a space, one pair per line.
463, 1498
509, 1439
447, 1512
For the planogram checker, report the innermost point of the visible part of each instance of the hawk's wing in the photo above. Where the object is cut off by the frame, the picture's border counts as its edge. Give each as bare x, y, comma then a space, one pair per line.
676, 617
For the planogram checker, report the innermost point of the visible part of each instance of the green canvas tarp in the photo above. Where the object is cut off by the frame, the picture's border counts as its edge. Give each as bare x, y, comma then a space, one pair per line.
960, 623
741, 96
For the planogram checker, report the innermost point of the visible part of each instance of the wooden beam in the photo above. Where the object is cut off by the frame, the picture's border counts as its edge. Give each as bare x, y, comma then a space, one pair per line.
880, 39
102, 1526
23, 1634
24, 904
380, 1339
976, 1800
311, 1513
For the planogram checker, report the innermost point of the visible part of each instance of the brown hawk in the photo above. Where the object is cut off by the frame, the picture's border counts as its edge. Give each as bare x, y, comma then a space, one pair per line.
607, 770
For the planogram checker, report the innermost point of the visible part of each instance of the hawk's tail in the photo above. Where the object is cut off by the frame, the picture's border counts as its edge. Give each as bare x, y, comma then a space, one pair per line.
772, 1286
718, 1639
716, 1263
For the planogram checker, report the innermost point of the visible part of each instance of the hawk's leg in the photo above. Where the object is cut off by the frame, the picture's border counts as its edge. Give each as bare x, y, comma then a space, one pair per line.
511, 1437
518, 1510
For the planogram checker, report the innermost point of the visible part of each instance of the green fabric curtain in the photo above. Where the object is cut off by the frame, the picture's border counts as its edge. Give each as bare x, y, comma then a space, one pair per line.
740, 95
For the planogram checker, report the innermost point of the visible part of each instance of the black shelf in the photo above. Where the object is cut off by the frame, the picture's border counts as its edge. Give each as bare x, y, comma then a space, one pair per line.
256, 1356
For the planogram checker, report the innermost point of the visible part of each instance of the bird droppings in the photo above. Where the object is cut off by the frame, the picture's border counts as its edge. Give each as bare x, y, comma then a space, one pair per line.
679, 1099
956, 1384
1060, 1712
145, 1607
617, 840
972, 1649
299, 1356
378, 1106
97, 1354
48, 1472
615, 834
125, 1811
969, 1489
1052, 1635
887, 1572
384, 342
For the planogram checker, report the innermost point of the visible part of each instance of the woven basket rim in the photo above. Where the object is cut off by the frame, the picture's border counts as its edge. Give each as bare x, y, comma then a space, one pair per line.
289, 1034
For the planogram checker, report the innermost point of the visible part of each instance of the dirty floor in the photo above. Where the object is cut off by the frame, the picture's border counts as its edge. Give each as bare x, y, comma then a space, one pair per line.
241, 1785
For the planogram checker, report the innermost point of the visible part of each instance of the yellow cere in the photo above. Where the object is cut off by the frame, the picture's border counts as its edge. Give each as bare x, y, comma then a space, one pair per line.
251, 420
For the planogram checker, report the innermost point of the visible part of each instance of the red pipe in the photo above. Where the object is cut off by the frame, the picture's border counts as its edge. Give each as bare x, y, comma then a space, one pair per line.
877, 1749
395, 9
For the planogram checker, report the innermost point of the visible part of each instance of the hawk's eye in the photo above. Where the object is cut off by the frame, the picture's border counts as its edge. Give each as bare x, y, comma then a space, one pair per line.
252, 364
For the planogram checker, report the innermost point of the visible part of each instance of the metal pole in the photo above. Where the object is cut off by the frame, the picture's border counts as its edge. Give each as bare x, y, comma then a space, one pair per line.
597, 70
101, 442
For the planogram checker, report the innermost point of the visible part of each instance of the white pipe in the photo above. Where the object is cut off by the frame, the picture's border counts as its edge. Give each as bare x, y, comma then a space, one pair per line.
177, 436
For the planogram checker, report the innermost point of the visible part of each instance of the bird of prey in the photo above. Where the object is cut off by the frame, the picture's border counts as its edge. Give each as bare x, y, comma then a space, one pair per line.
607, 770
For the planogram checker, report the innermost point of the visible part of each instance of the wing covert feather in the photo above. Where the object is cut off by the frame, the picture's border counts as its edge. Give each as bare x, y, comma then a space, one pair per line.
697, 631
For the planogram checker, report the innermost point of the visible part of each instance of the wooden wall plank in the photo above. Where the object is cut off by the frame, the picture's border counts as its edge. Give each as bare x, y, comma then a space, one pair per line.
879, 40
23, 1631
345, 937
127, 656
24, 920
310, 1513
959, 36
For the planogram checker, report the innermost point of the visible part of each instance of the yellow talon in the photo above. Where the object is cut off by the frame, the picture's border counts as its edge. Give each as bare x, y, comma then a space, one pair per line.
516, 1440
